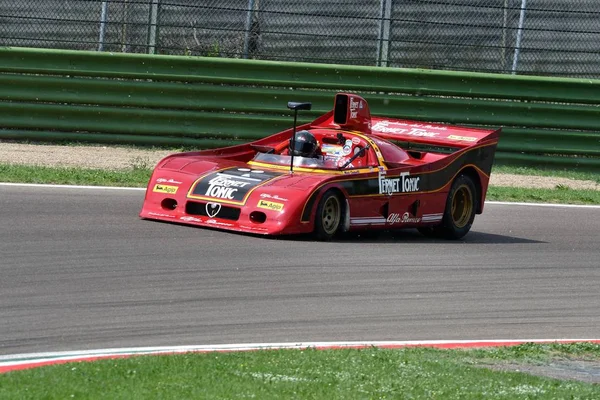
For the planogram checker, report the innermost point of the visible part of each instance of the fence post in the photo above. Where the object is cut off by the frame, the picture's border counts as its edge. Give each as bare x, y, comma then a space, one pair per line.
249, 17
503, 45
519, 36
153, 26
103, 20
383, 41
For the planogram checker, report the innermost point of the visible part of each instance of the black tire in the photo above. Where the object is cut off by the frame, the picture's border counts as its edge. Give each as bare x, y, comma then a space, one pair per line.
461, 206
328, 220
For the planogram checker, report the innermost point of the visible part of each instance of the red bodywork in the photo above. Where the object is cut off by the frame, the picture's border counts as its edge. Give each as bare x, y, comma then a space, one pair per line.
249, 187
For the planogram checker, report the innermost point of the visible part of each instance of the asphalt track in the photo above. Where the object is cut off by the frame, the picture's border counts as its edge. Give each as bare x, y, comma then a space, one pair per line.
79, 270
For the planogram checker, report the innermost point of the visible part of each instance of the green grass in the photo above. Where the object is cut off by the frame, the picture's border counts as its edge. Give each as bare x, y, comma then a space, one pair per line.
139, 173
411, 373
560, 195
541, 171
133, 177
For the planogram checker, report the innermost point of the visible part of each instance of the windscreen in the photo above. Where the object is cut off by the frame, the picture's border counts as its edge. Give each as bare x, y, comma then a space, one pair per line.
299, 161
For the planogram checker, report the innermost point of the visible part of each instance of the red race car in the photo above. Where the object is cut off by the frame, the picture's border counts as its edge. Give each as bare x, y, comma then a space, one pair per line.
345, 171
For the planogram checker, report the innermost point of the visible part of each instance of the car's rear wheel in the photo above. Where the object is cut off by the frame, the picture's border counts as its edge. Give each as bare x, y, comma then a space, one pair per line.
461, 206
328, 220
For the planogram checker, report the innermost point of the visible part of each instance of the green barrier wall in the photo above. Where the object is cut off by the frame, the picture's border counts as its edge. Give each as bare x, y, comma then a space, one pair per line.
210, 102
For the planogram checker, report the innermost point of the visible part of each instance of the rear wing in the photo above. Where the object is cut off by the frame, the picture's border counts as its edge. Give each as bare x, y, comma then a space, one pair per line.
429, 133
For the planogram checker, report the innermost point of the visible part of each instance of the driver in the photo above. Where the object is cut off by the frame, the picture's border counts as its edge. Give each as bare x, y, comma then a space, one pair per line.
304, 145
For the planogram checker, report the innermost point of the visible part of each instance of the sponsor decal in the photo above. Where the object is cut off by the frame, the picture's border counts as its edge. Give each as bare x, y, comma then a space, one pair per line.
399, 128
405, 183
462, 138
428, 126
169, 180
332, 149
224, 187
190, 219
215, 222
270, 205
231, 185
212, 209
158, 188
421, 133
395, 218
154, 214
347, 149
354, 105
254, 228
272, 196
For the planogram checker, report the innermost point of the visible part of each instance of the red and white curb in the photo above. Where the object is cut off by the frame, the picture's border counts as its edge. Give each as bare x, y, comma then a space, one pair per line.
32, 360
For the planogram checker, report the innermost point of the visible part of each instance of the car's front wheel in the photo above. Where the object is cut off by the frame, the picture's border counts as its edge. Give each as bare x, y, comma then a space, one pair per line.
328, 220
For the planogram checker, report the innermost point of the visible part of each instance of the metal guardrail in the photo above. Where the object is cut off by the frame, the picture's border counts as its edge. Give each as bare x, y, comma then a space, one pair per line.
210, 102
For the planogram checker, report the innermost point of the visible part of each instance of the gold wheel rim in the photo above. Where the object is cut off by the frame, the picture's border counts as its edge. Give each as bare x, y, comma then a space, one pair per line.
330, 217
462, 206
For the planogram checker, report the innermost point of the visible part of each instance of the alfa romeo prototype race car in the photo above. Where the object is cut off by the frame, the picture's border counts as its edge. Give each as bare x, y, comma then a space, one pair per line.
345, 171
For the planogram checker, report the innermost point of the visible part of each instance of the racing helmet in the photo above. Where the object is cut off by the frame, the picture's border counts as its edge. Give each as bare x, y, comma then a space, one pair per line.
304, 145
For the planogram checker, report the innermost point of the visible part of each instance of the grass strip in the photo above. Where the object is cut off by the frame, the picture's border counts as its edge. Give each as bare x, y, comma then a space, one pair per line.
411, 373
133, 177
560, 195
544, 171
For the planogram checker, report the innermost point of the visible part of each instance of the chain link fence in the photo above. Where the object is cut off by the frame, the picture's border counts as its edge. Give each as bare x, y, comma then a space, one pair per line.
539, 37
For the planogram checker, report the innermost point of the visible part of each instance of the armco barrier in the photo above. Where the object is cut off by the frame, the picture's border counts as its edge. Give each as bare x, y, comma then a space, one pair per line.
209, 102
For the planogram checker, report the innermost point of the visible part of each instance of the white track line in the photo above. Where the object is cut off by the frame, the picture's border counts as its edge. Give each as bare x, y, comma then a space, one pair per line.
31, 360
40, 185
508, 203
502, 203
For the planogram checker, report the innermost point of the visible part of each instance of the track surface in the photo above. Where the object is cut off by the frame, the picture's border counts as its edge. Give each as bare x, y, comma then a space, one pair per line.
79, 270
